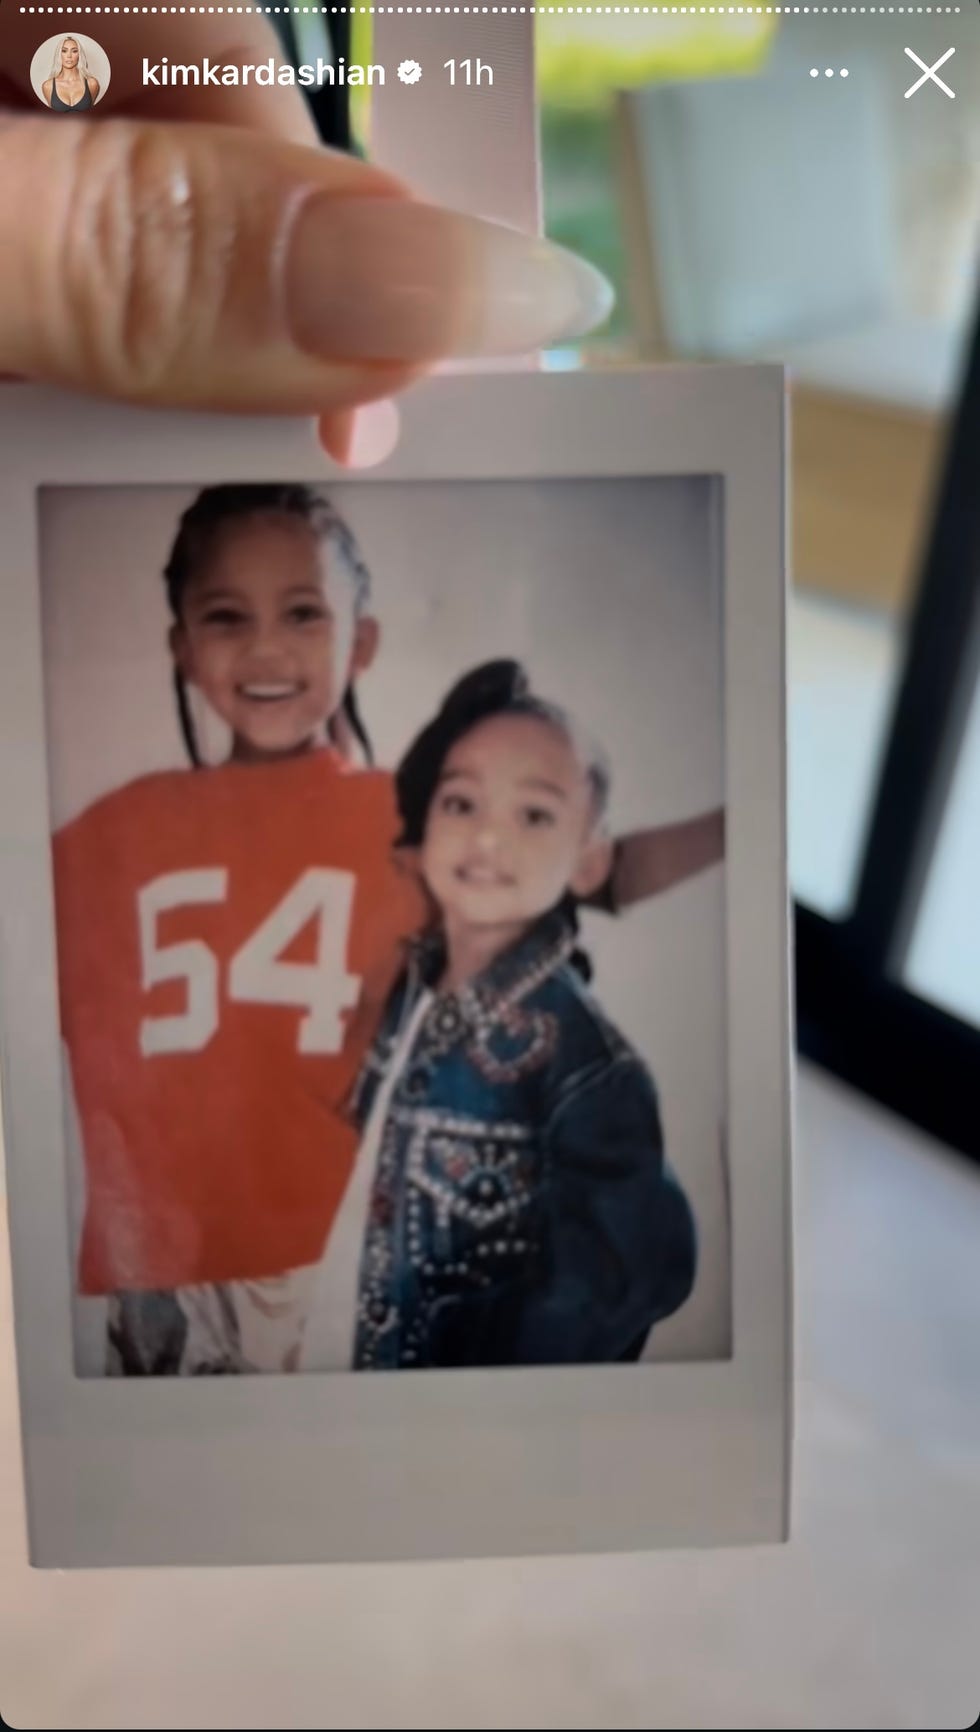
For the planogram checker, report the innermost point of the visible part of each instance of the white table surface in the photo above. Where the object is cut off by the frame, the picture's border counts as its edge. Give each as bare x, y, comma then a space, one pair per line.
868, 1618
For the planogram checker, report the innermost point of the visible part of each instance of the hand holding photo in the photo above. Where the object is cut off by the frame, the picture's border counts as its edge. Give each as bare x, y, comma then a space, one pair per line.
429, 1069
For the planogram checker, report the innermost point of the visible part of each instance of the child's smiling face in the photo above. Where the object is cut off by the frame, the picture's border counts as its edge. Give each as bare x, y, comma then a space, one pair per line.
512, 826
269, 633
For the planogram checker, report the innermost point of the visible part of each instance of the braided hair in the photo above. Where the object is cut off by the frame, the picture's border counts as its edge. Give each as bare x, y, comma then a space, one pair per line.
497, 688
199, 529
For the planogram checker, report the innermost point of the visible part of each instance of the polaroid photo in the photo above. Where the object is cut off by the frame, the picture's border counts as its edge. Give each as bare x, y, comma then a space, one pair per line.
393, 933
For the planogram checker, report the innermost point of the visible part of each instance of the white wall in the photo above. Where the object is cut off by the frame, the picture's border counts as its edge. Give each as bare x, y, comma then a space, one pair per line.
607, 590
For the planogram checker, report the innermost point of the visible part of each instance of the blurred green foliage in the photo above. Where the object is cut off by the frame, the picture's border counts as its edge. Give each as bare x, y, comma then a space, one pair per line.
581, 59
581, 208
581, 63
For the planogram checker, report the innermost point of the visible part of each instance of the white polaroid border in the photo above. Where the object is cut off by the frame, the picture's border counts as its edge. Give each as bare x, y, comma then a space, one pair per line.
424, 1464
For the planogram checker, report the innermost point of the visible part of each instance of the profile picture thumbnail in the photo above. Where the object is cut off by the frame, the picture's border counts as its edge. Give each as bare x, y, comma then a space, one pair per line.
70, 74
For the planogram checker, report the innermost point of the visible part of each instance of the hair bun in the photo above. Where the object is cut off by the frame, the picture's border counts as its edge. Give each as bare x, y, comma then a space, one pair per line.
497, 688
488, 690
489, 687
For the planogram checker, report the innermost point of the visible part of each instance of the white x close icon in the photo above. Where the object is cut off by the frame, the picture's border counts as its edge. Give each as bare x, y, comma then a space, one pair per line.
929, 72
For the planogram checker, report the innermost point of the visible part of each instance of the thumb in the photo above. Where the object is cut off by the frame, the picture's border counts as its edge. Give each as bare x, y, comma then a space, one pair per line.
217, 268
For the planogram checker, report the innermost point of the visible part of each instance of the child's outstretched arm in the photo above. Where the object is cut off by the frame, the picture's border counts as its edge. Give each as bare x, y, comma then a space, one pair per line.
649, 861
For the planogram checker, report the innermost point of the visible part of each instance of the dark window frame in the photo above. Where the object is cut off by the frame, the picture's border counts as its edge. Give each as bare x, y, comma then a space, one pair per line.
330, 105
854, 1015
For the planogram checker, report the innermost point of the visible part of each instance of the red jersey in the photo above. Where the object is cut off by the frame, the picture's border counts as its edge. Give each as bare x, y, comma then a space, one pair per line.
226, 941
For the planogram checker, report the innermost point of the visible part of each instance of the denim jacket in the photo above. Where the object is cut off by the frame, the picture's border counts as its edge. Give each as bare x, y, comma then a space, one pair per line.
522, 1211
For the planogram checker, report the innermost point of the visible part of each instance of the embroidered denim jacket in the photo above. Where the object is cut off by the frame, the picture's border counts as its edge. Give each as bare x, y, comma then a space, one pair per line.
522, 1211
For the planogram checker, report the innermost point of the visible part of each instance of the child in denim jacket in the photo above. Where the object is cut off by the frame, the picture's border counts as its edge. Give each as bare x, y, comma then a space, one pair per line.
522, 1211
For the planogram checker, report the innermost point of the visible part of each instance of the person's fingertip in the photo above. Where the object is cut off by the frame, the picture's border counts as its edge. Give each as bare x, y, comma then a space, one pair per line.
336, 433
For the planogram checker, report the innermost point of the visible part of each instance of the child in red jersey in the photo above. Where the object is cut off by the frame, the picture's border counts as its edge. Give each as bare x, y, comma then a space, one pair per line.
226, 943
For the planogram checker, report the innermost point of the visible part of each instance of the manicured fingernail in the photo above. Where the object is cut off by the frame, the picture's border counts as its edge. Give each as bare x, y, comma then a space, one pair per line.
376, 429
368, 435
390, 280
